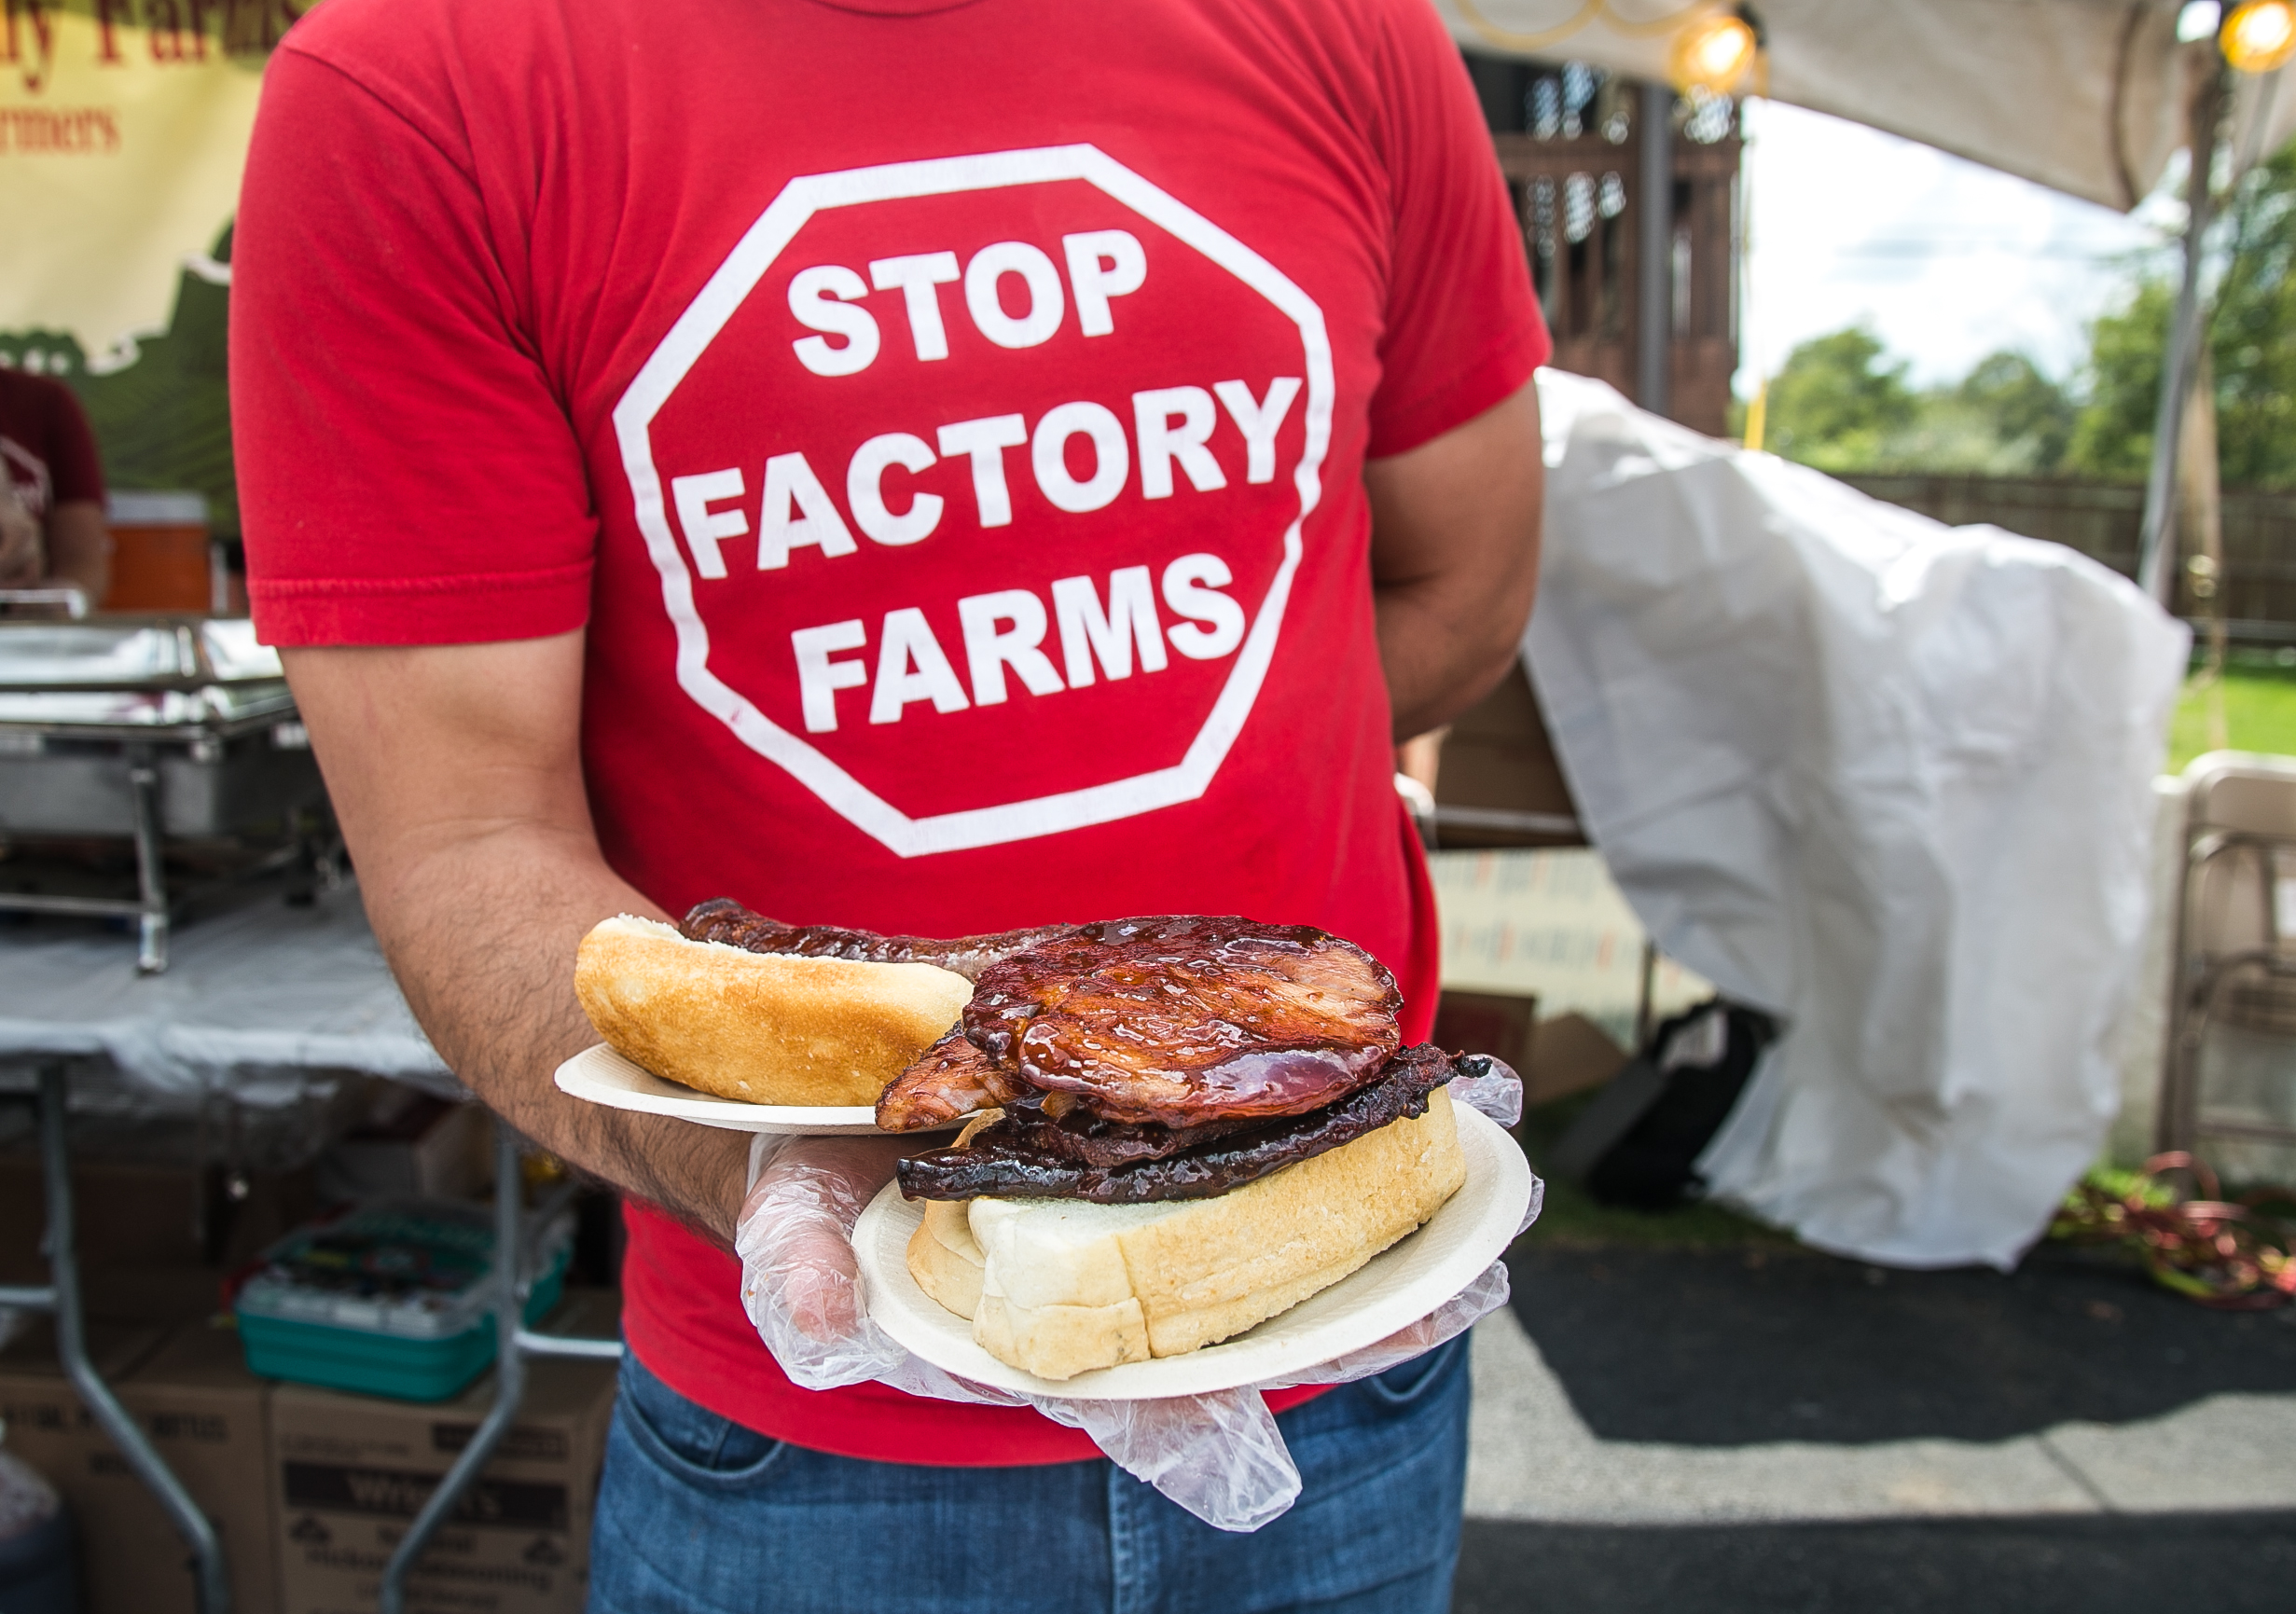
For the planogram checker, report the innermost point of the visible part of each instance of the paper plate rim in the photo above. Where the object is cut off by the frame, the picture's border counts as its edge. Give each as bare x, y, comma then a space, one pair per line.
600, 1075
1403, 1283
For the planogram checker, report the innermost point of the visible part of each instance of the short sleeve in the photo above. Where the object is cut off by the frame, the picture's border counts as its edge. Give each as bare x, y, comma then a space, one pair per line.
1463, 328
76, 471
407, 472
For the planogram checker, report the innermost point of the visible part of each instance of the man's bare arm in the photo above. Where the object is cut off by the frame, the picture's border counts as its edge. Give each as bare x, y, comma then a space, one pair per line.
1455, 560
80, 547
456, 773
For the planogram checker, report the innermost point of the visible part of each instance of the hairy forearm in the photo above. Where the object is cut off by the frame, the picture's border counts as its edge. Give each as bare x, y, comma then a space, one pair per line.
481, 929
455, 771
1455, 560
1436, 666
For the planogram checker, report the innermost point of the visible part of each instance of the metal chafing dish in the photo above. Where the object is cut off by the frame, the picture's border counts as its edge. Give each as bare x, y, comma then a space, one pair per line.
149, 728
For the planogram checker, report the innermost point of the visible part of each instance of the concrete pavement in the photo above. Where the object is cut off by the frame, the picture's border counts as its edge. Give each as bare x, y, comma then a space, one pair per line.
1758, 1430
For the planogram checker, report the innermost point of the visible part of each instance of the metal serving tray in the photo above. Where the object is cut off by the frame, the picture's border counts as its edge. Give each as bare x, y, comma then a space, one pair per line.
148, 727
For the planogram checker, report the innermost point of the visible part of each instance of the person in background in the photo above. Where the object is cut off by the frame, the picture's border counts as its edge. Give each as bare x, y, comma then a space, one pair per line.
52, 531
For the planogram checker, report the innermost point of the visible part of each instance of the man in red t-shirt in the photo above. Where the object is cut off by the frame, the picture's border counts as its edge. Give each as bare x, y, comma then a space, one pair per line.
52, 531
927, 465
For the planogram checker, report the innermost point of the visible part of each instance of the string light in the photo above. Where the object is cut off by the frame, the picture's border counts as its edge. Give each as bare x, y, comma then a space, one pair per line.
2259, 35
1716, 51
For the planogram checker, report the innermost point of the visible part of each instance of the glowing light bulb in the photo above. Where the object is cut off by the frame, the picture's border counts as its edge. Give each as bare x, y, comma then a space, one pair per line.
1715, 51
2259, 36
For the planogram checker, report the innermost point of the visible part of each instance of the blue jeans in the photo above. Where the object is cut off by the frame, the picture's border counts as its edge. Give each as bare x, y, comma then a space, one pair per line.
700, 1515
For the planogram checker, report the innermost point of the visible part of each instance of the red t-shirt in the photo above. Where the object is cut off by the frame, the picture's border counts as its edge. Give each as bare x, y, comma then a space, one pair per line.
47, 453
949, 421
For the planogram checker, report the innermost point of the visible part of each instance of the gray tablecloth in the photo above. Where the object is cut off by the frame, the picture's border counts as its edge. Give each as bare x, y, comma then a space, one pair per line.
253, 999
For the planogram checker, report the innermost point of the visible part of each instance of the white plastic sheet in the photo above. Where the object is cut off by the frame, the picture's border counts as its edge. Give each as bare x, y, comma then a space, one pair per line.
251, 999
1887, 779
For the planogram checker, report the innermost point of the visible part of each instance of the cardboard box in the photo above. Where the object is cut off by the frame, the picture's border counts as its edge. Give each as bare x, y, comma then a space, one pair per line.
1497, 756
413, 1146
1569, 1054
349, 1473
124, 1569
1555, 1057
207, 1416
1487, 1023
147, 1216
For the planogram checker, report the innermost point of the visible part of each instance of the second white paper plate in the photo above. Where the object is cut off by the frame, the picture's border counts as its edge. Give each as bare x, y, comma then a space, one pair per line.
601, 1076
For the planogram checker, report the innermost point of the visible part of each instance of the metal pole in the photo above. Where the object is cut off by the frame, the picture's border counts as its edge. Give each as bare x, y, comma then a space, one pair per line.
210, 1585
2156, 570
1646, 1000
509, 1378
1654, 252
151, 951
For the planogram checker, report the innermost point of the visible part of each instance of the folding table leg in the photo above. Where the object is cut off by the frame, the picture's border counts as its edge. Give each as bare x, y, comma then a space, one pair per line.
210, 1585
151, 945
510, 1286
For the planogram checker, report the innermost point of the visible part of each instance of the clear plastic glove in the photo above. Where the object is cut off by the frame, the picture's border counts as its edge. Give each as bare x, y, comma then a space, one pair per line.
1220, 1456
1488, 1084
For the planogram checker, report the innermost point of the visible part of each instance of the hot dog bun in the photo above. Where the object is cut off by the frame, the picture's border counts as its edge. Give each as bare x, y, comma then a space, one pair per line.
1059, 1286
764, 1028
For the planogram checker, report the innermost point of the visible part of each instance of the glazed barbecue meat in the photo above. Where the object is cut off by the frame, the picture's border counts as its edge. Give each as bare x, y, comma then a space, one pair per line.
1182, 1020
1008, 1159
723, 919
950, 1079
1173, 1022
1083, 1139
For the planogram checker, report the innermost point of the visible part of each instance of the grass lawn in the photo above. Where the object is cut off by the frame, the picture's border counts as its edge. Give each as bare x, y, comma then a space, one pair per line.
2259, 703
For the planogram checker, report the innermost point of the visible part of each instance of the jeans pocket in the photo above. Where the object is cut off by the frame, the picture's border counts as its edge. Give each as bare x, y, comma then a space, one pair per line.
1417, 1379
689, 1442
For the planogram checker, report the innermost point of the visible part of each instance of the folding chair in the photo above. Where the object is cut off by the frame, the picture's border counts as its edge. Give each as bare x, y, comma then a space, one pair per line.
2236, 958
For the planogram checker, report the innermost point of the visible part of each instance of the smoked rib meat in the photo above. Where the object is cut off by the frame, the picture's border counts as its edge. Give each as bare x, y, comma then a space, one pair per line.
1185, 1019
723, 919
1010, 1158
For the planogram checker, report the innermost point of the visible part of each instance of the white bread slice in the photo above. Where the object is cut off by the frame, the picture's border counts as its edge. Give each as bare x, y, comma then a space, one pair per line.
1059, 1287
768, 1027
945, 1259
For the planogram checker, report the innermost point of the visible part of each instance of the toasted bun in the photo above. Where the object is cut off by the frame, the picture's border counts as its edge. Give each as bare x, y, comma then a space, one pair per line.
1059, 1287
768, 1027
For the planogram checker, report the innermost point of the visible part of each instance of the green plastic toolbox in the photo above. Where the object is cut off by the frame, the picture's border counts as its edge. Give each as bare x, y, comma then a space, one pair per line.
390, 1300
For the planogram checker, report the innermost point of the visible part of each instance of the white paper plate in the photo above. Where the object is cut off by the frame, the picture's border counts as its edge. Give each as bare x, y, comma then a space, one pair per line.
601, 1076
1397, 1287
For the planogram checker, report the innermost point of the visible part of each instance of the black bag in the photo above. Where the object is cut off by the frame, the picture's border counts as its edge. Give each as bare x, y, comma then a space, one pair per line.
1636, 1144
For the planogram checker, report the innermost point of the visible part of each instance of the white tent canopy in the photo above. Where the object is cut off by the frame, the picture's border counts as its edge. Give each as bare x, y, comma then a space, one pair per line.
2083, 96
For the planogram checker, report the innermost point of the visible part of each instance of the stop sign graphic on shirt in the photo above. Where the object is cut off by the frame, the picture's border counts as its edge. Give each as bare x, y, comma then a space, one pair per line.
976, 488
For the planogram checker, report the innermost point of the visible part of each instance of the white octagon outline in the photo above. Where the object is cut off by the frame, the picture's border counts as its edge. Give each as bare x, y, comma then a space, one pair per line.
708, 314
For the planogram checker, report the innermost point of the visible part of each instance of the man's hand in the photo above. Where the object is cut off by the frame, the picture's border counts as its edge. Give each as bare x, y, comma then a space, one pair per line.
456, 772
22, 560
80, 547
1455, 560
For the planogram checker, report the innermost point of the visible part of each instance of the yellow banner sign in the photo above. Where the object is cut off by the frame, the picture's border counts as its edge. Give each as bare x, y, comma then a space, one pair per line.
123, 131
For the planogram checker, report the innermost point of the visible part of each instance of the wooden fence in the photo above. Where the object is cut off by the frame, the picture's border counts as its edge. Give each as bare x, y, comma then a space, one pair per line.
2101, 520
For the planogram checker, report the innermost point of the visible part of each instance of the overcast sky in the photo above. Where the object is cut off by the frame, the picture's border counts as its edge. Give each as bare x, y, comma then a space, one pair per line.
1947, 260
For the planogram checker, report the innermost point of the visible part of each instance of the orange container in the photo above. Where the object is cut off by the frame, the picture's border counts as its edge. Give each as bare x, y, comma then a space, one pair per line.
161, 558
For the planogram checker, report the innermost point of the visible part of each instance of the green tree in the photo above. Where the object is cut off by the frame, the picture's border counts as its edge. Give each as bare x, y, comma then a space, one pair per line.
2251, 343
2252, 336
2113, 436
1834, 401
2022, 411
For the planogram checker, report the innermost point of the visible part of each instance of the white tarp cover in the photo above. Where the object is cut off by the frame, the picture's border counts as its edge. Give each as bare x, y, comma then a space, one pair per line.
251, 999
1888, 778
2084, 96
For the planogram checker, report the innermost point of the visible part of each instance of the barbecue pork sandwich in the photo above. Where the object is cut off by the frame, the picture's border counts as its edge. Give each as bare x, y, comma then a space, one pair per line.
1177, 1127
